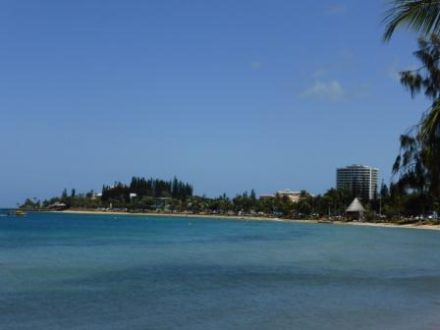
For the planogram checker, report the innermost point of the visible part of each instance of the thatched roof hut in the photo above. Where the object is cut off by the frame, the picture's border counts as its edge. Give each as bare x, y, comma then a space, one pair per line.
355, 210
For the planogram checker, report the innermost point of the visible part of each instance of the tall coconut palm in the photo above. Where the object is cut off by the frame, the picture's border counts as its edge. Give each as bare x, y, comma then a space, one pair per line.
419, 159
420, 15
418, 162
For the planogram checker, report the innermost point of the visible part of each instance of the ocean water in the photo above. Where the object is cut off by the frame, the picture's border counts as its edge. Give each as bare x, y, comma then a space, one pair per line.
121, 272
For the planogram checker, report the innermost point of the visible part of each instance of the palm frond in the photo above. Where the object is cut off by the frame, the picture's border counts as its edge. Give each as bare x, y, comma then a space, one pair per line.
419, 15
430, 128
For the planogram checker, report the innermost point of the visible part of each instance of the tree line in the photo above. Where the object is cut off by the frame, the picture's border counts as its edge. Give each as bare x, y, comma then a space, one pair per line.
143, 187
417, 166
154, 195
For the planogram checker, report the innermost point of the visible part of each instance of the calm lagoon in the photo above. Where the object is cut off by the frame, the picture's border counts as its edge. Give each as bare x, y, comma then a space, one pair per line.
67, 271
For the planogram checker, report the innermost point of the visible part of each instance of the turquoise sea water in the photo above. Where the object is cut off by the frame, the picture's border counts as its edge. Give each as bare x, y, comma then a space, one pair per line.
121, 272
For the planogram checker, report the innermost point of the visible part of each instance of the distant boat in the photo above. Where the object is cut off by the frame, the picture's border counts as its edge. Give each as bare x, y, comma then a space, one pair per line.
17, 213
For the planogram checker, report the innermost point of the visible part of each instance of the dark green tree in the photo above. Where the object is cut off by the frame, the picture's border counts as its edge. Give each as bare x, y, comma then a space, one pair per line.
417, 164
64, 195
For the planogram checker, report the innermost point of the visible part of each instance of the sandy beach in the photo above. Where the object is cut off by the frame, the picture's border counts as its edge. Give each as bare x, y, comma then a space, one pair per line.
252, 218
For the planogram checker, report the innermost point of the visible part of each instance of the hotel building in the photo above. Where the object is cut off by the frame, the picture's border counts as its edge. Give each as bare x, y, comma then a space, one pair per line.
361, 180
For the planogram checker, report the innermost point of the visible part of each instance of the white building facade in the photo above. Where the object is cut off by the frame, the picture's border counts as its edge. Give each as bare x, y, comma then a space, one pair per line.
361, 180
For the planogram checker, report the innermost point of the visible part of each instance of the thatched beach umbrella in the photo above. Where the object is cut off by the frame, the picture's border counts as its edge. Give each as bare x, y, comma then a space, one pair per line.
355, 209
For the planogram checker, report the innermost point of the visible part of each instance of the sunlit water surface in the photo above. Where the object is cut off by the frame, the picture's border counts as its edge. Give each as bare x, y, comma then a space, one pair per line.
62, 271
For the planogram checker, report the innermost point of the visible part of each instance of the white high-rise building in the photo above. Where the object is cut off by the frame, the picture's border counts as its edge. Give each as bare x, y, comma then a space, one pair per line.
361, 180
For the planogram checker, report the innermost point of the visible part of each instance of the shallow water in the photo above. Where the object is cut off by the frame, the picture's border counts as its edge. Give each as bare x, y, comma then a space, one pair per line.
60, 271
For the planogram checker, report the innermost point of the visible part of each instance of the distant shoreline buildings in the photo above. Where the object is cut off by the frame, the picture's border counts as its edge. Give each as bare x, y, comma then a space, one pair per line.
293, 196
361, 180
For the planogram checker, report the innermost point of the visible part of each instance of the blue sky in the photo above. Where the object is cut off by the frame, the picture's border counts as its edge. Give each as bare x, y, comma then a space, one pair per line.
228, 95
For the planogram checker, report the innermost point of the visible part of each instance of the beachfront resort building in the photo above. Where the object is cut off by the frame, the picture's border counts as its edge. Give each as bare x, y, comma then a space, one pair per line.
294, 196
361, 180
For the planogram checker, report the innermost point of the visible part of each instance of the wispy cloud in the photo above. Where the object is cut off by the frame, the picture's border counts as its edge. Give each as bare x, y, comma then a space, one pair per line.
330, 90
335, 9
325, 85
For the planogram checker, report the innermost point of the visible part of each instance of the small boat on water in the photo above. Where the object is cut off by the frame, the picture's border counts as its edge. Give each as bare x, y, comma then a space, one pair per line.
20, 213
16, 213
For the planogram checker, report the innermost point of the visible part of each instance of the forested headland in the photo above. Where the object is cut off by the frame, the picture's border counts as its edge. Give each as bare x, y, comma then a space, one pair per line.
176, 196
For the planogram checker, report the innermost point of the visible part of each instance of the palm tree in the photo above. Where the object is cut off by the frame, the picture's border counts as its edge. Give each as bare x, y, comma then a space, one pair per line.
419, 159
420, 15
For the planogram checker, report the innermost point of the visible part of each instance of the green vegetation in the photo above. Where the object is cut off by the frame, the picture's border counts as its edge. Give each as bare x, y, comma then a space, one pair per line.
154, 195
417, 165
142, 187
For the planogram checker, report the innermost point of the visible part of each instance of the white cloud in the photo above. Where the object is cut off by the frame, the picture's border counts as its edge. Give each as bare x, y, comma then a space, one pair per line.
331, 90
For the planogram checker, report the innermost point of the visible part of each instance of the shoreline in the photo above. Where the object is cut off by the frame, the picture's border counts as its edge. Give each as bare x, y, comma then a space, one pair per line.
250, 218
